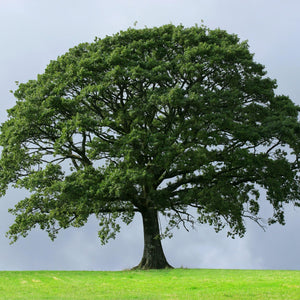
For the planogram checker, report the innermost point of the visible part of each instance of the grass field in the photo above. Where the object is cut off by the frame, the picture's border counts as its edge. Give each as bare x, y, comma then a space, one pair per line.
165, 284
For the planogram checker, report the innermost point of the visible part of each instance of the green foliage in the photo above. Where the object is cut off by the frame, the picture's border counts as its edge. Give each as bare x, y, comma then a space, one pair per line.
162, 284
165, 118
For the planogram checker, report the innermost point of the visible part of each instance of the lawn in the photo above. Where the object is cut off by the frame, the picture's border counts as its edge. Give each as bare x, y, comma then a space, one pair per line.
163, 284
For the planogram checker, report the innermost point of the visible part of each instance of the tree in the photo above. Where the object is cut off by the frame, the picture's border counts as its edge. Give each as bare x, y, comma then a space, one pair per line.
154, 121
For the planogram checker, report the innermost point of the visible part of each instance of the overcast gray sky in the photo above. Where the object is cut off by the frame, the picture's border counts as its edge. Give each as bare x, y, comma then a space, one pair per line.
33, 32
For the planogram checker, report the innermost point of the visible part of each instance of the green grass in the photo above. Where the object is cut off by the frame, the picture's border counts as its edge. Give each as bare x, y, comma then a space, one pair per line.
165, 284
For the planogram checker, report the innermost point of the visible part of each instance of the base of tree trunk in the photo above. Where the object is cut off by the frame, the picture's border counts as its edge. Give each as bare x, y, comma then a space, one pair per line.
153, 256
150, 263
142, 266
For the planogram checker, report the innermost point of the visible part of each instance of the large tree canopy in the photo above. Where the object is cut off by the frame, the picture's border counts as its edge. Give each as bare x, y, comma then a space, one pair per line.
152, 121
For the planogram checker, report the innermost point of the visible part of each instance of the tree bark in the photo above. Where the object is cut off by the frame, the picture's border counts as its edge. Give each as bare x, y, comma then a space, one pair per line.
153, 256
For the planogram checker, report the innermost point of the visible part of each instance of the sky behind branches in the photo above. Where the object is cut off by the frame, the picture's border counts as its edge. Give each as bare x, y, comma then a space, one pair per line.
33, 32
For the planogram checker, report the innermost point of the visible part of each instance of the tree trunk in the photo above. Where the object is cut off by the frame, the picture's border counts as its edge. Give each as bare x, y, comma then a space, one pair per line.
153, 256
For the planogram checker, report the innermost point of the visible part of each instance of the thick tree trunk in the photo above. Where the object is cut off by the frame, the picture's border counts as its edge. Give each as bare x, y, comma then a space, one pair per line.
153, 256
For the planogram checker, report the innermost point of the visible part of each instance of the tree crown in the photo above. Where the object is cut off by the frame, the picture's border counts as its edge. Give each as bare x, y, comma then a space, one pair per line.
163, 118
